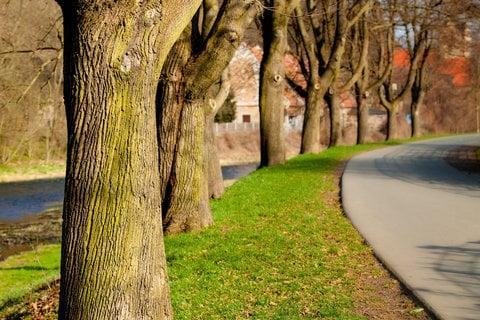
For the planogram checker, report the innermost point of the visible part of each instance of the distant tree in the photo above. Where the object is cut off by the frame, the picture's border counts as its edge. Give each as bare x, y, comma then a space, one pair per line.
113, 261
393, 94
272, 81
227, 113
323, 29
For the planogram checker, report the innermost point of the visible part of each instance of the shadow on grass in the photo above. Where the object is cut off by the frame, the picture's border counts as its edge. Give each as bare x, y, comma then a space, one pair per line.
28, 268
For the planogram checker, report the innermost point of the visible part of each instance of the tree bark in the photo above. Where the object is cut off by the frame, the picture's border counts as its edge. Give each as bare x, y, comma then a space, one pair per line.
311, 134
416, 105
180, 133
214, 169
199, 62
335, 116
272, 84
363, 107
186, 201
113, 261
393, 122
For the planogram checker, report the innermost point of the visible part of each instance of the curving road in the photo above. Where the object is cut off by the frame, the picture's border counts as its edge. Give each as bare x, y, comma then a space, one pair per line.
422, 218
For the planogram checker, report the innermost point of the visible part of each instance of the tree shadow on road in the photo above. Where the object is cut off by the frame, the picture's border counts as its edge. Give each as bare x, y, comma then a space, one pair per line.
458, 266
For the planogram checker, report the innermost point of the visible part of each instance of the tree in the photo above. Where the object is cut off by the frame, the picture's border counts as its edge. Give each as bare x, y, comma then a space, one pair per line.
360, 39
196, 62
272, 81
323, 31
113, 261
31, 81
375, 71
391, 93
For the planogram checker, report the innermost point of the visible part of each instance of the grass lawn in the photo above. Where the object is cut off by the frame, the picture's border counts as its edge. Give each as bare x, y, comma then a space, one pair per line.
28, 271
281, 248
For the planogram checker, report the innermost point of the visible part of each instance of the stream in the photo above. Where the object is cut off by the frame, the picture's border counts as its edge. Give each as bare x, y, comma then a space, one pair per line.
21, 199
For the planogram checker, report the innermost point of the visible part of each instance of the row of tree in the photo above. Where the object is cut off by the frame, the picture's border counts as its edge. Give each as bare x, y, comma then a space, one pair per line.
143, 81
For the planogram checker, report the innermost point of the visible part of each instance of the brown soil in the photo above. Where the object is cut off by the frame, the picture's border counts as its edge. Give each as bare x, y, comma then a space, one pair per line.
465, 158
29, 232
40, 305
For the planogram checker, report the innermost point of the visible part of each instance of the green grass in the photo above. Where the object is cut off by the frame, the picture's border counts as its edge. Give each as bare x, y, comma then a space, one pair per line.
281, 248
28, 271
23, 169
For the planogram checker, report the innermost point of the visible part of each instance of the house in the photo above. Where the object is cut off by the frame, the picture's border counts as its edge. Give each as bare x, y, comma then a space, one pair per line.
244, 72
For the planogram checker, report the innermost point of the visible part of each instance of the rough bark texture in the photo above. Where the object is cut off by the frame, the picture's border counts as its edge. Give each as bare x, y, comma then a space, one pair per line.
180, 134
214, 169
272, 83
393, 118
195, 63
311, 134
186, 198
363, 107
335, 122
113, 262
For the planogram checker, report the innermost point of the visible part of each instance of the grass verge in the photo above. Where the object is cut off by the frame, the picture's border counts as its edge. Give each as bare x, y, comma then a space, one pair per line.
281, 248
25, 272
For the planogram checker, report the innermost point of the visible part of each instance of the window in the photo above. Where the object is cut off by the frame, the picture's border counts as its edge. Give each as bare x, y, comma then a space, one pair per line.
246, 118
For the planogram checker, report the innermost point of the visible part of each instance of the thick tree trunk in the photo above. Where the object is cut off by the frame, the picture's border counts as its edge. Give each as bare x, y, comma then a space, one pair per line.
417, 102
214, 170
272, 84
333, 101
393, 122
113, 262
186, 201
311, 134
363, 106
181, 129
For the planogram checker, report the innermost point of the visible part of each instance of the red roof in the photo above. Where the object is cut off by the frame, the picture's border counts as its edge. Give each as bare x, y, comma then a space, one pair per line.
458, 68
401, 58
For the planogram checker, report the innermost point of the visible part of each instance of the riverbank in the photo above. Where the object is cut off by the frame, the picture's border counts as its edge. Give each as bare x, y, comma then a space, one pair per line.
30, 232
281, 248
27, 171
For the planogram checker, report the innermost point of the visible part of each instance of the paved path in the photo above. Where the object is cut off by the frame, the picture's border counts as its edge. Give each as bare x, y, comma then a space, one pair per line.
422, 218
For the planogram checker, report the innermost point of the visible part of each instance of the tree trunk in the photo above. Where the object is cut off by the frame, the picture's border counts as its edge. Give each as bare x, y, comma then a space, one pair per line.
214, 169
363, 106
333, 101
311, 134
181, 129
272, 84
417, 102
393, 122
113, 261
186, 202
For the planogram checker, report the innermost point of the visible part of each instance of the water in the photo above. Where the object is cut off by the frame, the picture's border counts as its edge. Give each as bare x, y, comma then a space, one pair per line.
19, 199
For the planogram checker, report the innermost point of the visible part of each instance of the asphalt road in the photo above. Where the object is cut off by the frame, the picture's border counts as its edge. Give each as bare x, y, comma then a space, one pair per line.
422, 218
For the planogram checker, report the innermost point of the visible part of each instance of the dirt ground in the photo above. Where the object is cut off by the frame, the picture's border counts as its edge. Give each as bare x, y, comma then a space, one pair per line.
25, 234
